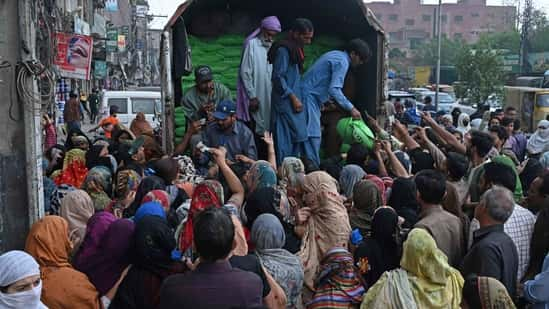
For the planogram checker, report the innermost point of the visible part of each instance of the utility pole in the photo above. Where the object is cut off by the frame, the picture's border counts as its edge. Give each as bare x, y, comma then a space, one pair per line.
524, 36
439, 43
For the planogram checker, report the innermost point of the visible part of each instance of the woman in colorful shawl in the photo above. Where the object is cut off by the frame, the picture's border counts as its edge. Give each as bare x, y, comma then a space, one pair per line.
77, 208
260, 175
125, 189
339, 284
96, 229
63, 286
106, 264
381, 251
269, 237
98, 184
148, 184
425, 279
289, 170
326, 227
160, 196
350, 175
152, 263
366, 199
74, 169
486, 293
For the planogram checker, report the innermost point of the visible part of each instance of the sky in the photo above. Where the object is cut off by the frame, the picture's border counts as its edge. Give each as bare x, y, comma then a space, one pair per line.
168, 7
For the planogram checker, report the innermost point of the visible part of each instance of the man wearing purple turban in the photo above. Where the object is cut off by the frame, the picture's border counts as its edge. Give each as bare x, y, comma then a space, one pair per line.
254, 82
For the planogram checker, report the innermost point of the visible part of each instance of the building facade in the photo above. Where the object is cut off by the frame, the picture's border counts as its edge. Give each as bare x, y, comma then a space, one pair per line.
409, 23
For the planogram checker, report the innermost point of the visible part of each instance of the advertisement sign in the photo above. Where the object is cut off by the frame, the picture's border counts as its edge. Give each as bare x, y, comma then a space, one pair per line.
112, 40
99, 69
121, 43
99, 49
141, 10
73, 55
99, 25
511, 63
111, 5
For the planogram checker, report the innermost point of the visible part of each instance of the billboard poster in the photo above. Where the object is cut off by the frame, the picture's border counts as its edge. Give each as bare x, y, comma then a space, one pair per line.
111, 5
99, 69
73, 55
112, 40
121, 43
141, 10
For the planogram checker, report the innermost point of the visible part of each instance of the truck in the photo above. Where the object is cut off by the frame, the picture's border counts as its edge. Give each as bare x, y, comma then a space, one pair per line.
205, 21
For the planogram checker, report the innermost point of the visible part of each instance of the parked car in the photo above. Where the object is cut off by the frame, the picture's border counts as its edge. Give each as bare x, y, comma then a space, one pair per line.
132, 102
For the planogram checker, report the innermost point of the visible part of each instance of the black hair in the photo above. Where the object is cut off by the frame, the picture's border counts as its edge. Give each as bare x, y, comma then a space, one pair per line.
357, 154
167, 169
457, 165
428, 99
500, 174
213, 234
539, 245
507, 121
482, 141
510, 108
113, 109
310, 165
431, 185
500, 131
361, 48
516, 125
544, 188
302, 25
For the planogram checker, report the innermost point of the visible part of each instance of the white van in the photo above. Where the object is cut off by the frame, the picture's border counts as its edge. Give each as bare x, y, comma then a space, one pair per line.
130, 103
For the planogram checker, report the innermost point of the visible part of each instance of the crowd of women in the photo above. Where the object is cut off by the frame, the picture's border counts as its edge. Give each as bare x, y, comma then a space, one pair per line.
121, 219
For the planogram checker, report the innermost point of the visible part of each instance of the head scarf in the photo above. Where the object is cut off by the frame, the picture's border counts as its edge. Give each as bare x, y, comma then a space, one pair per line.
75, 135
203, 197
380, 184
261, 175
289, 170
147, 185
463, 117
350, 175
14, 266
96, 229
58, 195
475, 123
544, 160
93, 157
98, 184
63, 286
187, 171
126, 181
154, 242
267, 200
539, 141
366, 199
327, 227
518, 193
140, 125
269, 238
486, 293
338, 282
77, 208
74, 169
149, 209
160, 196
435, 283
403, 200
112, 256
270, 23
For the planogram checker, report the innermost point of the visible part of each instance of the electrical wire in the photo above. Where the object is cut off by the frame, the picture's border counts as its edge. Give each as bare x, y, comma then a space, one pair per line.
28, 72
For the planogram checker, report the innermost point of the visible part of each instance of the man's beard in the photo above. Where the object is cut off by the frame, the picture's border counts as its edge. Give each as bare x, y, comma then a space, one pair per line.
266, 43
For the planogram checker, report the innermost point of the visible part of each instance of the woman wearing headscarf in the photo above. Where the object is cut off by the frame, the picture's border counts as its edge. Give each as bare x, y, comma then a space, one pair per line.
98, 156
463, 124
96, 229
538, 143
63, 286
424, 279
152, 263
77, 208
105, 266
261, 174
326, 227
350, 175
381, 184
147, 185
149, 209
20, 284
160, 196
74, 169
288, 171
339, 284
98, 184
140, 125
404, 202
125, 188
366, 199
486, 293
268, 237
381, 251
75, 138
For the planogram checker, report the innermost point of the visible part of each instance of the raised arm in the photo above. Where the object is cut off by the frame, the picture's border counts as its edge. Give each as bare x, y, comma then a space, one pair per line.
397, 167
444, 135
236, 187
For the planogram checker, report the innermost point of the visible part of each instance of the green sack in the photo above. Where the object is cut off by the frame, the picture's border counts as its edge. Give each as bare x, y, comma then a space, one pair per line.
355, 131
180, 132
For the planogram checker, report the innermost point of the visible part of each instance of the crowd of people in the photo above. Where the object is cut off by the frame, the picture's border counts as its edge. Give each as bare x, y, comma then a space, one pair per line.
441, 213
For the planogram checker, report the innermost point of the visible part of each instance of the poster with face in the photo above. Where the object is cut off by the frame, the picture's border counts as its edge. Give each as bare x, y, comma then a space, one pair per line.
73, 55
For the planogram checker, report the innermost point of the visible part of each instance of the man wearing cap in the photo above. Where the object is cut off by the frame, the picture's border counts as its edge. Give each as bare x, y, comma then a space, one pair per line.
228, 132
201, 99
253, 101
71, 113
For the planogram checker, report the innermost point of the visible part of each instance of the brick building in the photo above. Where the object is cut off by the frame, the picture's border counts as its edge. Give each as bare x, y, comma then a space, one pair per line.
410, 22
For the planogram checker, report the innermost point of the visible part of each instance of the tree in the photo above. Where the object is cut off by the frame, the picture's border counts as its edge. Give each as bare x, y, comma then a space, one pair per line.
480, 72
426, 54
539, 35
509, 40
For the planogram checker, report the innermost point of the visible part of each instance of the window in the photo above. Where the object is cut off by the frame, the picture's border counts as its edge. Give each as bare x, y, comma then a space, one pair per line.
410, 22
458, 18
444, 18
122, 104
475, 15
393, 17
416, 43
458, 36
395, 36
144, 105
426, 18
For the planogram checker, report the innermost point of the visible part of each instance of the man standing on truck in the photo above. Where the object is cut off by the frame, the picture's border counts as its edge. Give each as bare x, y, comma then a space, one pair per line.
254, 82
200, 101
287, 116
324, 81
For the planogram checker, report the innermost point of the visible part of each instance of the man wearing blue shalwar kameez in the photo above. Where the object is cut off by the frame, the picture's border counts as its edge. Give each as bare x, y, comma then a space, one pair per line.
287, 115
324, 81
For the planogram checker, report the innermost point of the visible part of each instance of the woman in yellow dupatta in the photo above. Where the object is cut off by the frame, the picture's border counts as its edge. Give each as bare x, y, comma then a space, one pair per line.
425, 279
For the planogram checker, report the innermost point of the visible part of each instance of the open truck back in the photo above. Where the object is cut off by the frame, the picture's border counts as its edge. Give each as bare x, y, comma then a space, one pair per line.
210, 19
